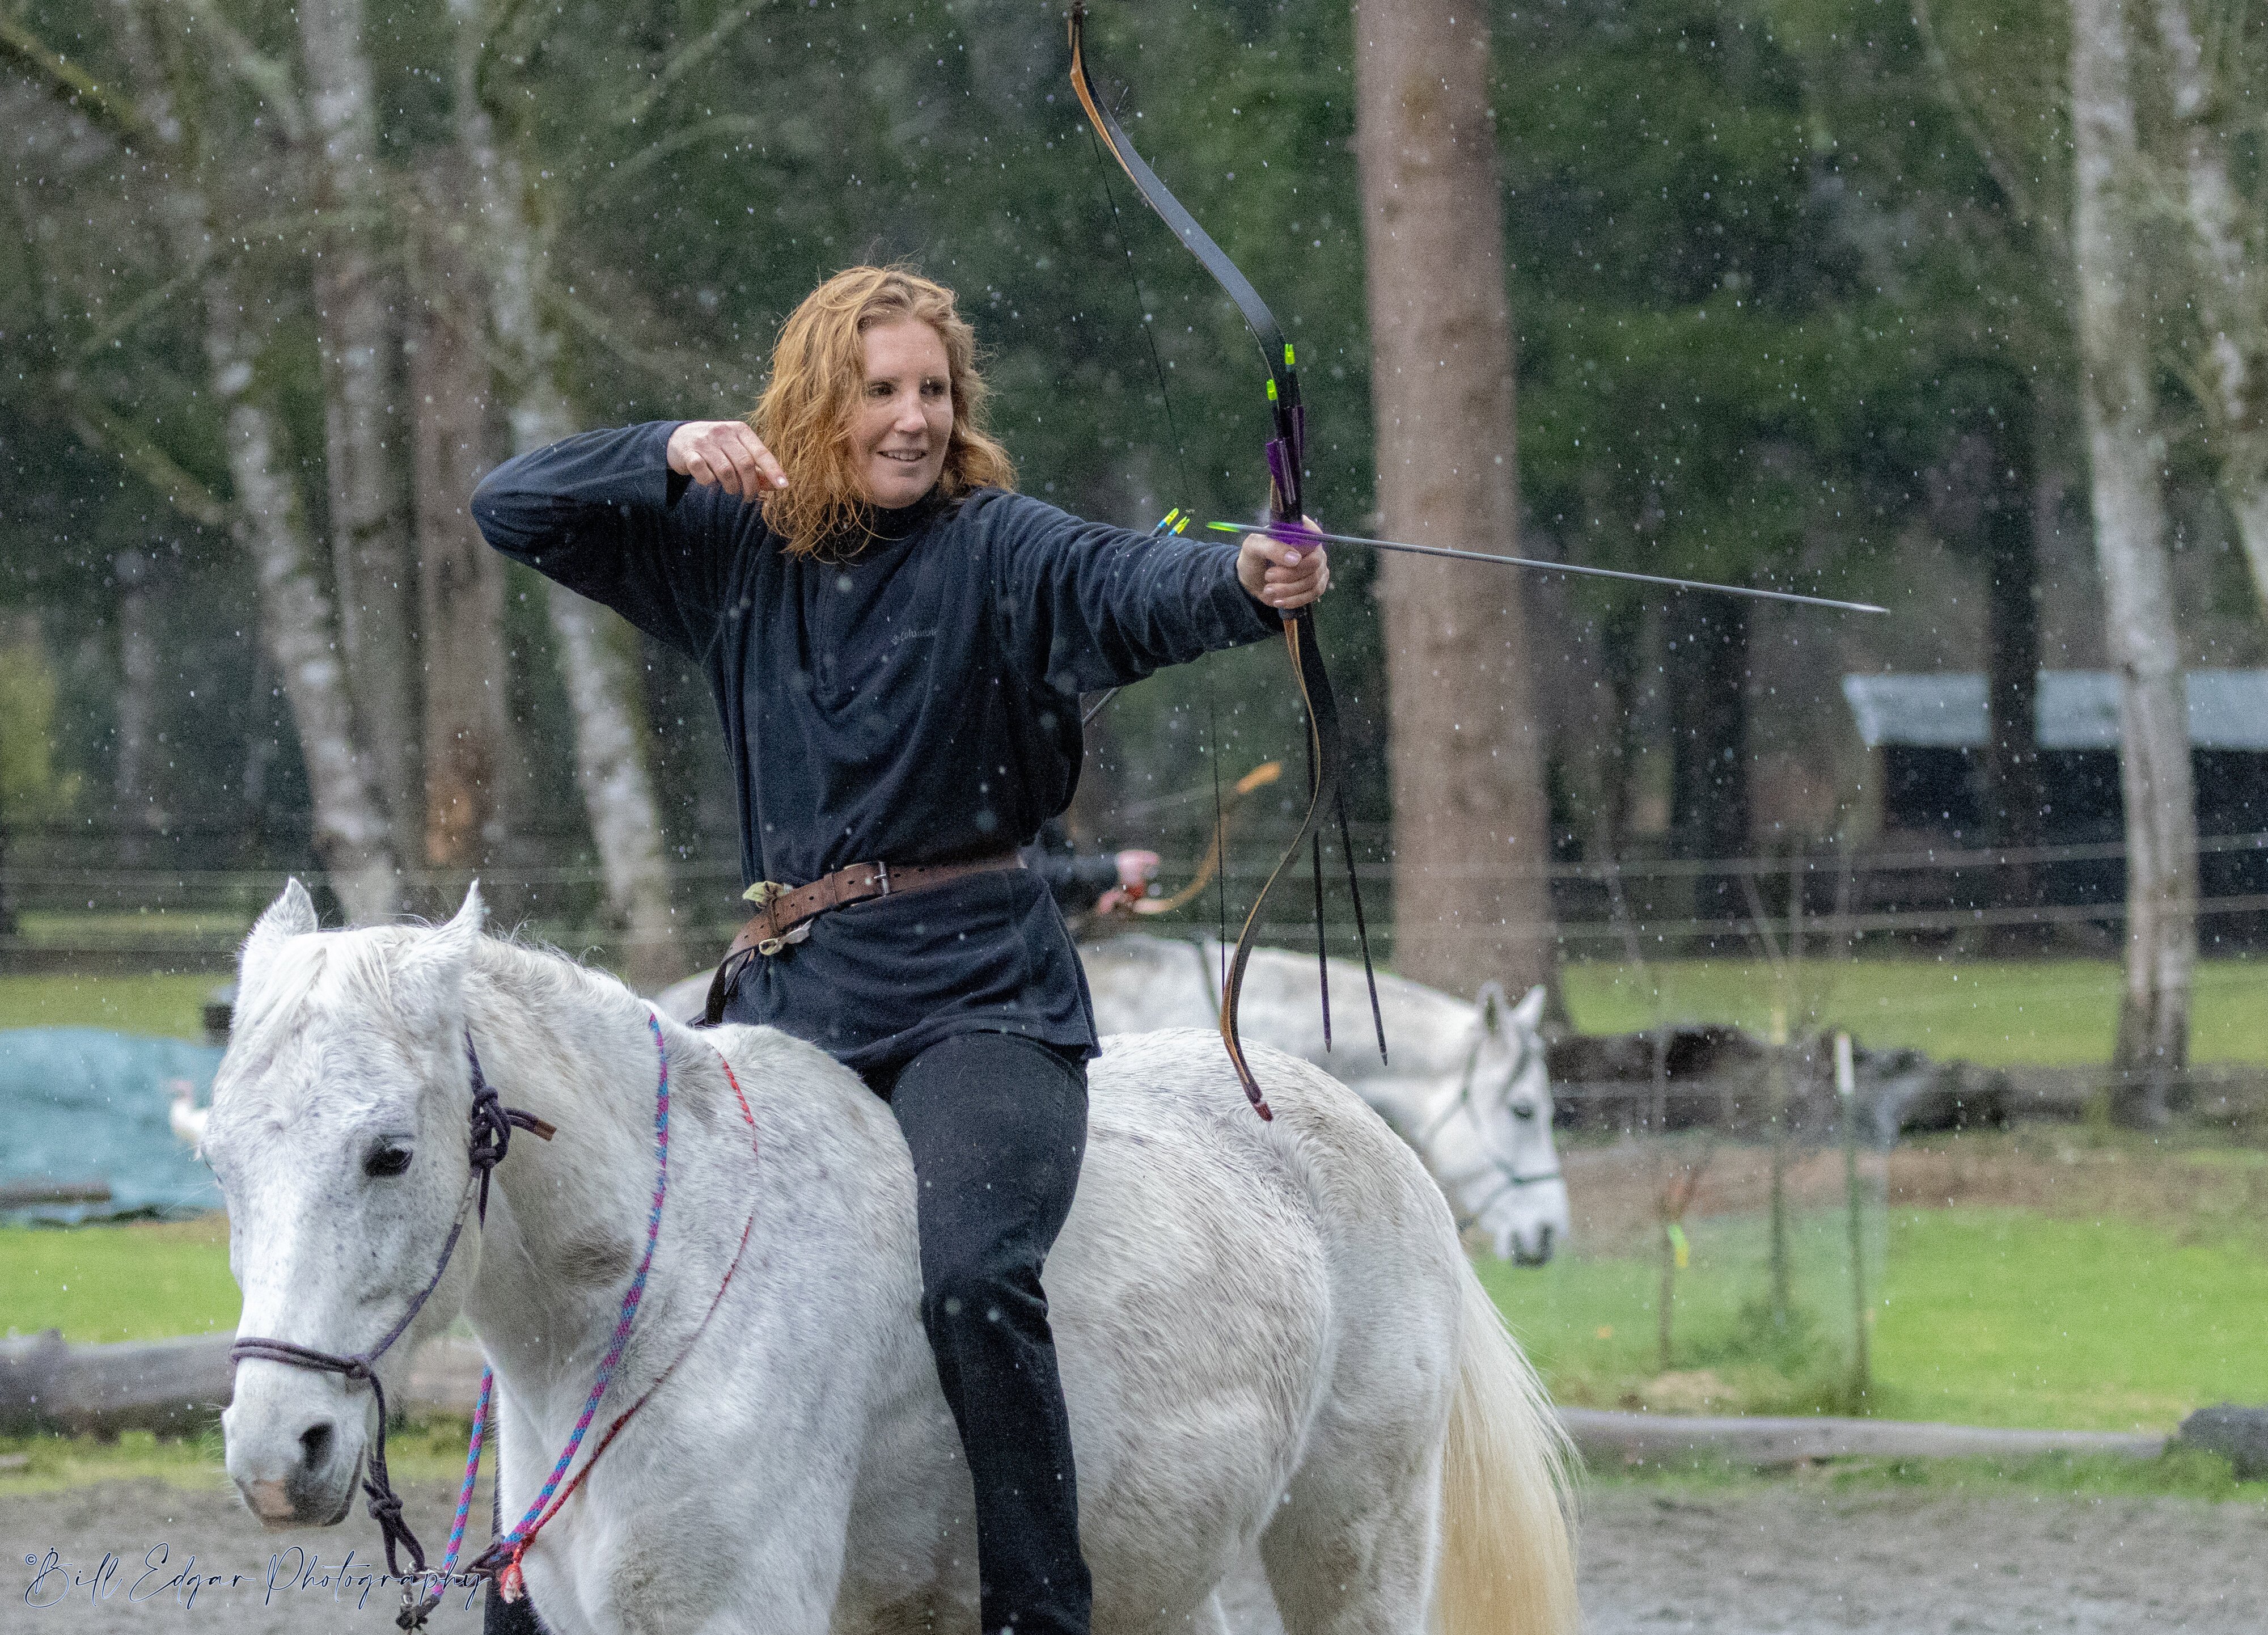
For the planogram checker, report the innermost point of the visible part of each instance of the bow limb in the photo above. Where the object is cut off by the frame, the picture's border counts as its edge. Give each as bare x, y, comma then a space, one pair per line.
1266, 773
1286, 452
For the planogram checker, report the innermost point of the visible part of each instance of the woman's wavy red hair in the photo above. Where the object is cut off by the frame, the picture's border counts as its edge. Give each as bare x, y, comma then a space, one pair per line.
818, 368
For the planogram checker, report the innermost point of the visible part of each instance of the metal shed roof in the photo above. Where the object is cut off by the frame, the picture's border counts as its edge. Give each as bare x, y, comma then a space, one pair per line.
2078, 709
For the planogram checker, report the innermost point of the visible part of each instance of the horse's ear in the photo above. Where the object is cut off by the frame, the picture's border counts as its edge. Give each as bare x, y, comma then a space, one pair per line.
431, 975
293, 914
1491, 1002
1528, 1015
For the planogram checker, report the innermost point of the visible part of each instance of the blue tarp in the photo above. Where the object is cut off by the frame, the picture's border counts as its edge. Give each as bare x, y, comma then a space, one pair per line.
83, 1104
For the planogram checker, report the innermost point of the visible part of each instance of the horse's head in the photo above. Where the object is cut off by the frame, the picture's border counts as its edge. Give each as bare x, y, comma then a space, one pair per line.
338, 1131
1515, 1194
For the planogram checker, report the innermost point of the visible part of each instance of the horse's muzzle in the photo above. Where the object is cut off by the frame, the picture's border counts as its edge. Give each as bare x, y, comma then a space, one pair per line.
294, 1469
1534, 1248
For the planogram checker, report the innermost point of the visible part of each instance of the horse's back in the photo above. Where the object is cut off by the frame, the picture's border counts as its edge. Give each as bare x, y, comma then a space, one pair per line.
1234, 1299
1141, 981
1324, 1152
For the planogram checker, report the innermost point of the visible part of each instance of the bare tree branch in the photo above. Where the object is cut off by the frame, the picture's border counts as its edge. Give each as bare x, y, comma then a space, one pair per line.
99, 429
269, 75
77, 89
2027, 205
665, 365
677, 141
684, 64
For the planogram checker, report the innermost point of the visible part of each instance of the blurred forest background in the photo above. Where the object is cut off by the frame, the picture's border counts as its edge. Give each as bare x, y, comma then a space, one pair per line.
1800, 296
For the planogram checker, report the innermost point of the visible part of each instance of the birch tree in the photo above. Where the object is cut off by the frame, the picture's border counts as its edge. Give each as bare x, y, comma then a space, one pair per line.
610, 763
1470, 839
2128, 457
357, 297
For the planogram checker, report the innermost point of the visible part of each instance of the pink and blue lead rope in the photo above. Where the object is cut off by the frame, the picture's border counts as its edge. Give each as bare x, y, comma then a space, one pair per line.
510, 1545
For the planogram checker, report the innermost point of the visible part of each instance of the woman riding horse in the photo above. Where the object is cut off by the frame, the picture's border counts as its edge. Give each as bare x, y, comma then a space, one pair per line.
897, 641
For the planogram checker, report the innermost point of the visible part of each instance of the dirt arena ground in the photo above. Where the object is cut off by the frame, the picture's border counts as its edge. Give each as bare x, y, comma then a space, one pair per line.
1765, 1558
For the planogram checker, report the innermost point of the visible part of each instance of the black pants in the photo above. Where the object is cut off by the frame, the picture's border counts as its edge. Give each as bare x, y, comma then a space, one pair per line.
997, 1126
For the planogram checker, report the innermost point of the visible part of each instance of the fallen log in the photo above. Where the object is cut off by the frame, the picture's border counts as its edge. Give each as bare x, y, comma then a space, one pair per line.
1606, 1437
177, 1387
30, 1193
171, 1387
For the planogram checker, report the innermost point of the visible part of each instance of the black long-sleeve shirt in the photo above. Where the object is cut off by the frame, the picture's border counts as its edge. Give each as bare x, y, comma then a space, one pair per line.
918, 702
1077, 880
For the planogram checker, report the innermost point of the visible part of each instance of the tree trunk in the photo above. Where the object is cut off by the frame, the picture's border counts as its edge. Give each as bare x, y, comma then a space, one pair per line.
2012, 661
355, 303
2128, 456
1708, 667
610, 764
460, 579
140, 817
352, 836
1472, 903
625, 821
2231, 295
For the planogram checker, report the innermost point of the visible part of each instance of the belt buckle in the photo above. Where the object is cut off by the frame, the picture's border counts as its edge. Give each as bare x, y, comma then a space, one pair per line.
763, 893
882, 873
770, 946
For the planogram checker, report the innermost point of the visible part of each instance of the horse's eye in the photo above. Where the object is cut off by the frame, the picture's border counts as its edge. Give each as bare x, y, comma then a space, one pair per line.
1523, 1110
386, 1159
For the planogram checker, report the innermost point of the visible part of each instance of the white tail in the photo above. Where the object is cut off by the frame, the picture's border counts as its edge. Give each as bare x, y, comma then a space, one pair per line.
1508, 1502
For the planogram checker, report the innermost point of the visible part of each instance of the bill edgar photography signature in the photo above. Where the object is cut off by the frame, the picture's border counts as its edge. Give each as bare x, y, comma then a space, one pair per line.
293, 1571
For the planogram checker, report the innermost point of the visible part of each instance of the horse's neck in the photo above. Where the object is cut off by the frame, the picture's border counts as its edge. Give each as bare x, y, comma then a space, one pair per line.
567, 1217
1418, 1108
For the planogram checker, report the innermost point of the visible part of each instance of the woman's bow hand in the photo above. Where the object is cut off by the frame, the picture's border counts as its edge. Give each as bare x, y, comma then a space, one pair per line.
726, 454
1283, 574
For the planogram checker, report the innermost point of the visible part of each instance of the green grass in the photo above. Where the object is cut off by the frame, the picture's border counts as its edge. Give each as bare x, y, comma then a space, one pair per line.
425, 1450
1991, 1313
172, 1006
1987, 1316
1590, 1322
141, 1281
134, 928
2044, 1012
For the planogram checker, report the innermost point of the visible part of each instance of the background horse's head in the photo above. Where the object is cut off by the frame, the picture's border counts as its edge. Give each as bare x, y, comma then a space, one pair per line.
338, 1131
1510, 1182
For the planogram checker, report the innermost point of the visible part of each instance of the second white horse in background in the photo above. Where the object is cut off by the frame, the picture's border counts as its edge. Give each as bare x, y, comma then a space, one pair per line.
1466, 1085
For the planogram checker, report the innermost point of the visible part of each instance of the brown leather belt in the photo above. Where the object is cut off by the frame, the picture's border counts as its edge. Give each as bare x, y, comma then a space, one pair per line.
785, 913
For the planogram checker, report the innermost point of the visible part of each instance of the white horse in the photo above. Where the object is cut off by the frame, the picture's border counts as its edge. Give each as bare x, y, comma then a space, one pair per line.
1270, 1339
1466, 1085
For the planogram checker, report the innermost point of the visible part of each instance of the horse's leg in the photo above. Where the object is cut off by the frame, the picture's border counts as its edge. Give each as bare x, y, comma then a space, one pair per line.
1247, 1605
1352, 1549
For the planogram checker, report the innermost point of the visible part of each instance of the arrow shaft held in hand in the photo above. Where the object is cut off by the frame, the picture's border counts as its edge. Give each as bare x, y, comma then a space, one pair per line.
1294, 536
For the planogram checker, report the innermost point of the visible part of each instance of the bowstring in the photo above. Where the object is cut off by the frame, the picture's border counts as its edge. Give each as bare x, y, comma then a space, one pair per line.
1182, 476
